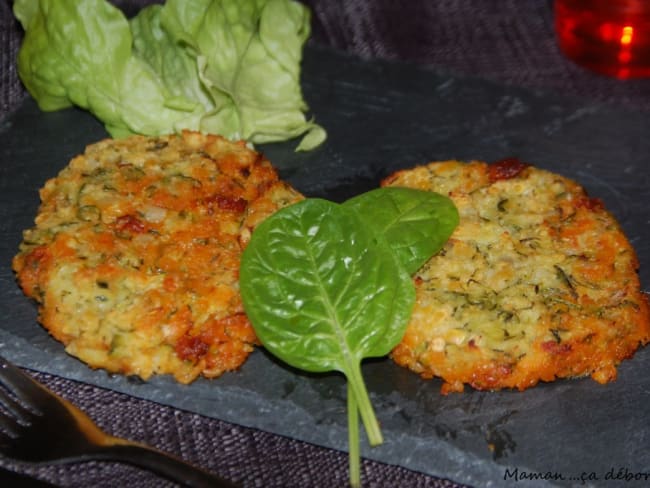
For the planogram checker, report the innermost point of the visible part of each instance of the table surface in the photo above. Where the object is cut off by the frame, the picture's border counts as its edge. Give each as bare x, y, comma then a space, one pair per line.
507, 44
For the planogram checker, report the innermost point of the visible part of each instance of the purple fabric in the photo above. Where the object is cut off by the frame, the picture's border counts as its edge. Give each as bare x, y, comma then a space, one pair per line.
508, 41
247, 456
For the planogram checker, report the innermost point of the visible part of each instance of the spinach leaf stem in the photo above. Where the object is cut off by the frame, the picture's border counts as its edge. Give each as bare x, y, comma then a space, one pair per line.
368, 417
354, 452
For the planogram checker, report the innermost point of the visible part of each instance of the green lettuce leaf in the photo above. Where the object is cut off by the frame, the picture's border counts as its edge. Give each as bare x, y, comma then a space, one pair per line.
59, 72
228, 67
175, 67
80, 53
248, 55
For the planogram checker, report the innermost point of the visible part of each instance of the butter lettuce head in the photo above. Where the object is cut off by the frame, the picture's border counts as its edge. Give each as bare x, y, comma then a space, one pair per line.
230, 67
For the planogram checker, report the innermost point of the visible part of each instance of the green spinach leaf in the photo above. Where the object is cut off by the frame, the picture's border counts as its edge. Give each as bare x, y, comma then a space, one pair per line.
323, 292
327, 285
416, 223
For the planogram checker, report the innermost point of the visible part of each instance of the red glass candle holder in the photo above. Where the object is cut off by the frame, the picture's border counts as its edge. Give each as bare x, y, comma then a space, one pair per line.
611, 37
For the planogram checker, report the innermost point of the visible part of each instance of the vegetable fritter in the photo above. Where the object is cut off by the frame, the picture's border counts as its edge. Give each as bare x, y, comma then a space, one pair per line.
134, 258
538, 282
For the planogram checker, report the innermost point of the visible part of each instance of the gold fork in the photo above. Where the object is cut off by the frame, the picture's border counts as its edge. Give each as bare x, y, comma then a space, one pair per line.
38, 426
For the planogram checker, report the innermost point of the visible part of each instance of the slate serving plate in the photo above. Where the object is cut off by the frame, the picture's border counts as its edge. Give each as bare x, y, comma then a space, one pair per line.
382, 117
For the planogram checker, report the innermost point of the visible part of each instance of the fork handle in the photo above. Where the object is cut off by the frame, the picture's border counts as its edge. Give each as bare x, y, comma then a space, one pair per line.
163, 464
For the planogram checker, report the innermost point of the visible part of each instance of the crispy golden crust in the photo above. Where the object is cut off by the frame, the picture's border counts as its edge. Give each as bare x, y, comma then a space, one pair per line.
538, 282
135, 254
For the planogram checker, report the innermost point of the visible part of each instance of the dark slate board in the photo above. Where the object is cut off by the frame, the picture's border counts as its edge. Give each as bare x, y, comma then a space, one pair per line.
382, 117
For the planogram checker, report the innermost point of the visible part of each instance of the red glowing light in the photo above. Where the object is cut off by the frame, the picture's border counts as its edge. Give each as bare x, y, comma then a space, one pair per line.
626, 35
625, 56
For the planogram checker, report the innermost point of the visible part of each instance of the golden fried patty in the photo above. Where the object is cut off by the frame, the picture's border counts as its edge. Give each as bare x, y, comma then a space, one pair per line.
135, 254
537, 282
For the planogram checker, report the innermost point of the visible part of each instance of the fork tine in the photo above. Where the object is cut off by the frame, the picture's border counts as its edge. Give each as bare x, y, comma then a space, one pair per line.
14, 407
9, 426
5, 439
24, 387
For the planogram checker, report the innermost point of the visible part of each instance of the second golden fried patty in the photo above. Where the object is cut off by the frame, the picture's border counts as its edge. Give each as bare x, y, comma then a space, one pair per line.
134, 256
538, 282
